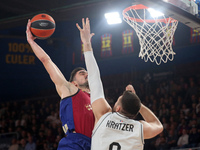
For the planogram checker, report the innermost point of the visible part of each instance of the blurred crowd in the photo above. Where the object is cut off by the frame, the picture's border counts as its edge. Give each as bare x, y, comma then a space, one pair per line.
36, 123
176, 101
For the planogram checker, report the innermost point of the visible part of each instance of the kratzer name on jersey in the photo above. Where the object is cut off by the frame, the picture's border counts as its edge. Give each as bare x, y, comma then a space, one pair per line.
120, 126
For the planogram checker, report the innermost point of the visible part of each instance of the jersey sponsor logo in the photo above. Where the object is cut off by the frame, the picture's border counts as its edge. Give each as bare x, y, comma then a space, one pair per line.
120, 126
88, 107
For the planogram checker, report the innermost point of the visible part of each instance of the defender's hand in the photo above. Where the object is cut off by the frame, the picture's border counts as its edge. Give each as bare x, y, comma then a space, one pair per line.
85, 32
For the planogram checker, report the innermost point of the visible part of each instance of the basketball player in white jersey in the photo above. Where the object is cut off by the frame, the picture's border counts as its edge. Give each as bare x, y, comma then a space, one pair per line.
116, 129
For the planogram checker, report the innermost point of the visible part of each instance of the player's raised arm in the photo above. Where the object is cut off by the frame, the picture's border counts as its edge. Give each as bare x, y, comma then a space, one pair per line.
151, 126
99, 104
62, 85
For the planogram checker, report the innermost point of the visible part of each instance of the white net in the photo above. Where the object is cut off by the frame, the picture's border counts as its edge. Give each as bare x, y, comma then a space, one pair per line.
155, 34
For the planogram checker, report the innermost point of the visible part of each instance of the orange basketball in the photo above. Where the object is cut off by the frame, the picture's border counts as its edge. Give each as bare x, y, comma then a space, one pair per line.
42, 26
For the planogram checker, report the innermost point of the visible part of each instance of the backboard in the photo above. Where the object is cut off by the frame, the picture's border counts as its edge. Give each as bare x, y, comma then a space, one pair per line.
185, 11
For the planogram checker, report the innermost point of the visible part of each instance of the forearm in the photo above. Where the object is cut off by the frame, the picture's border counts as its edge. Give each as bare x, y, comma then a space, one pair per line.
38, 51
94, 79
149, 116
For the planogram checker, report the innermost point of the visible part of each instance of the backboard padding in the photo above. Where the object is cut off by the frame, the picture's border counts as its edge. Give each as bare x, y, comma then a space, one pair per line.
173, 11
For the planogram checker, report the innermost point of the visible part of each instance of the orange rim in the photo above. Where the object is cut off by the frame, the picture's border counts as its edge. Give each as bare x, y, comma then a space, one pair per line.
140, 6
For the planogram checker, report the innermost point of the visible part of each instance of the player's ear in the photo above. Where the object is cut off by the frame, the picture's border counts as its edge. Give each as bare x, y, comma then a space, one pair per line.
118, 108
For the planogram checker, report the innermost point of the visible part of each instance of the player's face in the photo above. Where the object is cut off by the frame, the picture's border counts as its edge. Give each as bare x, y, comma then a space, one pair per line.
81, 78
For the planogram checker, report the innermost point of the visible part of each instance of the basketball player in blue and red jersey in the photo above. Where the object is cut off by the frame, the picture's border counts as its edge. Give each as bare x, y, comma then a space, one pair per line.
75, 109
116, 129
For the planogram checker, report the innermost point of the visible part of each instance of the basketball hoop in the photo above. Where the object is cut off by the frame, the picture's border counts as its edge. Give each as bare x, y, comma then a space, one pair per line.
155, 33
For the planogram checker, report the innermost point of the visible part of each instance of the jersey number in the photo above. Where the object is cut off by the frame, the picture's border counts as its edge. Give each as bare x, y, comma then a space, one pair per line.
115, 144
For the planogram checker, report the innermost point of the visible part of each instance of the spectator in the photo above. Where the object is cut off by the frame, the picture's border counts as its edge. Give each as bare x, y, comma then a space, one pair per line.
23, 134
51, 118
172, 138
185, 109
192, 90
50, 137
46, 146
164, 123
164, 112
179, 102
183, 140
182, 125
14, 145
54, 147
22, 144
174, 114
40, 140
194, 137
158, 139
163, 144
173, 123
31, 144
58, 138
193, 98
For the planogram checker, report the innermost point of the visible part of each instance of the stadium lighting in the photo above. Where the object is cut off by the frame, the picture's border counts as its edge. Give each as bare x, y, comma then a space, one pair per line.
154, 13
113, 18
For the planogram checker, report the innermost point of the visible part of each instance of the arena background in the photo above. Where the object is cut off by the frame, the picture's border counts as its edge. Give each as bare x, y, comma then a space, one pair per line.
24, 79
23, 75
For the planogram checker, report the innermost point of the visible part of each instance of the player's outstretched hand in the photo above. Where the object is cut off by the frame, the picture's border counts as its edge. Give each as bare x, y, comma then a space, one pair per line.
85, 31
29, 35
130, 88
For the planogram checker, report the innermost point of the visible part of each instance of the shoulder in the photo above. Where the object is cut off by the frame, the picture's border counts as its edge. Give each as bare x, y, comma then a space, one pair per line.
66, 90
104, 117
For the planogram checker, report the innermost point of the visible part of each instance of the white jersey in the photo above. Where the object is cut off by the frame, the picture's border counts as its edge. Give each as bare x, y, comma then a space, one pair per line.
114, 131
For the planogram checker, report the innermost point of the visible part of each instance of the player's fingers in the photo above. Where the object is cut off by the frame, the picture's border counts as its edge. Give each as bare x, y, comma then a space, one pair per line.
83, 23
28, 25
28, 32
78, 26
92, 34
88, 23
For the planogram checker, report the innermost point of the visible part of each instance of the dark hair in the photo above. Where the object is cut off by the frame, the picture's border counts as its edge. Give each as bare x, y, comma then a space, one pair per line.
74, 72
130, 104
